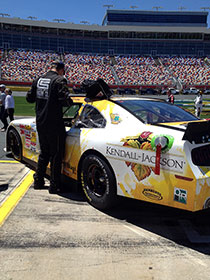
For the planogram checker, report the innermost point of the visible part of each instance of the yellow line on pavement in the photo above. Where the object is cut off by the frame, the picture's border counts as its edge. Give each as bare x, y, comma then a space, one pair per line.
9, 161
9, 204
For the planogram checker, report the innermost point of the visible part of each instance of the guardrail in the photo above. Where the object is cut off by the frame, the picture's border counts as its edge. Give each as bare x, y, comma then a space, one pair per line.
190, 105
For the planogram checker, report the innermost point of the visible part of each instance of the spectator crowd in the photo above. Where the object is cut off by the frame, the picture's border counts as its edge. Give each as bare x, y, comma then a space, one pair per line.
25, 65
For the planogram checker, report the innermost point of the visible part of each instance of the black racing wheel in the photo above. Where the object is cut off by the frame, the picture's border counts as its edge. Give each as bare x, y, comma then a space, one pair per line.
15, 144
98, 182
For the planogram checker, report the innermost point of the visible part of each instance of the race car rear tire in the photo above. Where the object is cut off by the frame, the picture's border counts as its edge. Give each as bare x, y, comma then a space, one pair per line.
15, 144
98, 182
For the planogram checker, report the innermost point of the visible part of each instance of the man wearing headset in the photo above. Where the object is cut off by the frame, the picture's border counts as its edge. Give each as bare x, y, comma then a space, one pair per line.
50, 92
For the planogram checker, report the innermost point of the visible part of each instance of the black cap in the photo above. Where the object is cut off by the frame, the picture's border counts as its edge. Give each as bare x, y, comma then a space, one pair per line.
58, 64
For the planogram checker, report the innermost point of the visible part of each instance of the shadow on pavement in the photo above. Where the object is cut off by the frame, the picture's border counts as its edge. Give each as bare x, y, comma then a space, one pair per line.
4, 187
179, 227
188, 229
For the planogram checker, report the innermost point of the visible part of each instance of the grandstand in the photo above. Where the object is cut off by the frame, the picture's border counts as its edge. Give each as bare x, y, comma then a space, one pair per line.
149, 33
155, 18
130, 48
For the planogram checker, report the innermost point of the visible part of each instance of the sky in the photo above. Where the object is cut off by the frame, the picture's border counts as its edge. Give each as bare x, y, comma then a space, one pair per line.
92, 11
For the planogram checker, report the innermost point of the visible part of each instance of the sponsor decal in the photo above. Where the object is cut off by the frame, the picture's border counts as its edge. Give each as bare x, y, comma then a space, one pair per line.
152, 194
30, 136
28, 143
146, 157
180, 195
115, 118
28, 127
25, 132
33, 149
33, 135
142, 162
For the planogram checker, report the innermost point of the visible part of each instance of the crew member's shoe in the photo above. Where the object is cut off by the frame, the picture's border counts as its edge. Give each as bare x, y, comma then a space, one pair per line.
39, 184
54, 188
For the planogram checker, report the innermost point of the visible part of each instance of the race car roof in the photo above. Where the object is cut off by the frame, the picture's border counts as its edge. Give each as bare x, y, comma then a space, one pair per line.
81, 98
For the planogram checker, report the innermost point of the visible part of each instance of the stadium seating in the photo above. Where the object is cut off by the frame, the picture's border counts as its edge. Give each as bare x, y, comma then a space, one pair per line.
25, 65
81, 67
190, 70
22, 65
141, 71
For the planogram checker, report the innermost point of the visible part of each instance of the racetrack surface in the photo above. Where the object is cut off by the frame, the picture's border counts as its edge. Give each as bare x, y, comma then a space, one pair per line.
63, 237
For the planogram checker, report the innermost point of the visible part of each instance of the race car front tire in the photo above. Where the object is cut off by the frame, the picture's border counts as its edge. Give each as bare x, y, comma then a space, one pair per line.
15, 144
98, 182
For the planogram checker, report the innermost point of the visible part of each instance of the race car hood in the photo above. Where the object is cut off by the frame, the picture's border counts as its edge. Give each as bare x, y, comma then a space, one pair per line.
26, 121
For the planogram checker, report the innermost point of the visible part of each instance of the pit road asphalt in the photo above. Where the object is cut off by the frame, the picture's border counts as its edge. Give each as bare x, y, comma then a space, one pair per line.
57, 237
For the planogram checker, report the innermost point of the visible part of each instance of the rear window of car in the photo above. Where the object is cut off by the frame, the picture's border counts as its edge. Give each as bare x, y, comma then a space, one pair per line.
150, 111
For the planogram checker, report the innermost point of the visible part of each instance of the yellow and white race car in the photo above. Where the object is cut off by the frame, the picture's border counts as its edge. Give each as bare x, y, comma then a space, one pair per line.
141, 148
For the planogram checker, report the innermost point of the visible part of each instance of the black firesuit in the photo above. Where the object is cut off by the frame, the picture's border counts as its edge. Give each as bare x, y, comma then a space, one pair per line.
50, 93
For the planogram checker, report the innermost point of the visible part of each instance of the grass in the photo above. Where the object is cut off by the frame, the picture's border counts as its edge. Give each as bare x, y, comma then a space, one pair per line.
22, 107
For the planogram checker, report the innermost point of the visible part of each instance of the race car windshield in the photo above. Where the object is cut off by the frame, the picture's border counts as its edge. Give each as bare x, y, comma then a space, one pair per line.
152, 112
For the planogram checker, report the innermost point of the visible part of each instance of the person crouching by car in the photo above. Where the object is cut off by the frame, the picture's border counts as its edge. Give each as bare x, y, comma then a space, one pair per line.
198, 104
9, 104
50, 93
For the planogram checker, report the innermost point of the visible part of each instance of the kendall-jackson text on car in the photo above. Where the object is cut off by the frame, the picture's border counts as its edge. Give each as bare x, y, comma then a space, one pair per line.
168, 162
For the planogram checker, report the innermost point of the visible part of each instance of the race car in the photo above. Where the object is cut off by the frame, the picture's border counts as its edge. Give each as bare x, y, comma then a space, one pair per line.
136, 147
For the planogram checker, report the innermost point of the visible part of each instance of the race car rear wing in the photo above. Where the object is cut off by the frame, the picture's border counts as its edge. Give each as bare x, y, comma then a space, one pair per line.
197, 132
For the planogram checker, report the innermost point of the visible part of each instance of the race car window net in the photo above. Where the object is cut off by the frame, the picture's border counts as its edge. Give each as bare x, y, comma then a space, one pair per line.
90, 118
153, 112
71, 112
